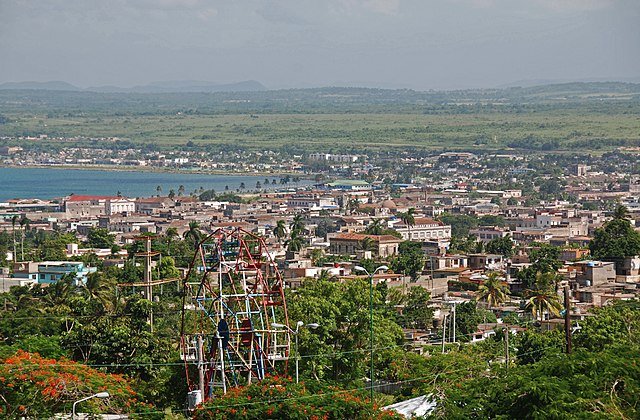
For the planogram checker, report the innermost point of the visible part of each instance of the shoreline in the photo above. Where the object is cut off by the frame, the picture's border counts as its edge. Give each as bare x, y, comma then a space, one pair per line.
113, 168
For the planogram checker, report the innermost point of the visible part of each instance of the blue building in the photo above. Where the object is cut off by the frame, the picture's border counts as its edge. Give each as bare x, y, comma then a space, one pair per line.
48, 272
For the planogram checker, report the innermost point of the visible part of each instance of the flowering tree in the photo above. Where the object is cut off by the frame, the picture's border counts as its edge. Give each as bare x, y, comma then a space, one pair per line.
35, 387
281, 398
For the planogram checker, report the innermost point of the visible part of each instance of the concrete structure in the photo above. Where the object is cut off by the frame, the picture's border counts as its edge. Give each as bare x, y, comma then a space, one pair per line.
425, 229
591, 273
351, 243
48, 272
349, 185
486, 261
634, 184
488, 233
328, 157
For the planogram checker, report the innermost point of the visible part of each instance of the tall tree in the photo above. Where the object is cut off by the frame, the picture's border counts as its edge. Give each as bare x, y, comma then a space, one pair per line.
295, 242
492, 291
100, 287
502, 246
280, 231
621, 212
194, 234
544, 298
100, 238
297, 224
616, 239
170, 236
409, 219
24, 226
366, 244
375, 227
14, 220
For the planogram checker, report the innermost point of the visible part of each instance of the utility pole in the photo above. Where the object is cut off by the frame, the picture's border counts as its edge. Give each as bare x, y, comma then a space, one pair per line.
444, 331
567, 319
148, 278
454, 322
200, 366
506, 347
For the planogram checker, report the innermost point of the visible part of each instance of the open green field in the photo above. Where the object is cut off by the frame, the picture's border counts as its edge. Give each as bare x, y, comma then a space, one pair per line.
346, 131
591, 119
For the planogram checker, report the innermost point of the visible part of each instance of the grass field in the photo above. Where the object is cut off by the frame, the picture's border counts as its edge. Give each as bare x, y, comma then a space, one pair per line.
343, 131
568, 117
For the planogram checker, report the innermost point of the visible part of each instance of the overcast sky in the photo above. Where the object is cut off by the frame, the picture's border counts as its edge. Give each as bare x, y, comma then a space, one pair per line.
420, 44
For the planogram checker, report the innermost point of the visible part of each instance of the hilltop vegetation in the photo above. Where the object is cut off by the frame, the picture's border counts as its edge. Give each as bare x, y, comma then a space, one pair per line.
586, 116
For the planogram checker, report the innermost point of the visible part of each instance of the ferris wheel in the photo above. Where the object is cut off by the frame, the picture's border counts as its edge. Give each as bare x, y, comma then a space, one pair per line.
234, 327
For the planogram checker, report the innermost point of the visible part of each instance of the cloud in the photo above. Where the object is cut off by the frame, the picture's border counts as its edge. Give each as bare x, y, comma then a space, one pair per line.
386, 7
354, 7
208, 13
575, 5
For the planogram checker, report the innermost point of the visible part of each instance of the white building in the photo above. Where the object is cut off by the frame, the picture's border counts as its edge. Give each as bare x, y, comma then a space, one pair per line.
425, 230
488, 233
328, 157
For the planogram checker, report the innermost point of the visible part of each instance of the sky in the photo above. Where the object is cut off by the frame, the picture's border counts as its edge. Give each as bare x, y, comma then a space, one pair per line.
417, 44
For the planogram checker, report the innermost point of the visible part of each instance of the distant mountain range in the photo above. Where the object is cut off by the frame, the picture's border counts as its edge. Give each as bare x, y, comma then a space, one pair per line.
178, 86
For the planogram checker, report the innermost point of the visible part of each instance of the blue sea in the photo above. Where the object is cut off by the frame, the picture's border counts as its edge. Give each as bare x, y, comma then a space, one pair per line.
49, 183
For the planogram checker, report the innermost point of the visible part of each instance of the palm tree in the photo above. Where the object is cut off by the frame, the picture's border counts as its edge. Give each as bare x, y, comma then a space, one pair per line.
170, 234
14, 220
297, 224
409, 219
194, 233
24, 225
493, 291
99, 287
295, 243
181, 190
353, 205
325, 275
544, 296
375, 227
621, 212
159, 190
280, 231
366, 244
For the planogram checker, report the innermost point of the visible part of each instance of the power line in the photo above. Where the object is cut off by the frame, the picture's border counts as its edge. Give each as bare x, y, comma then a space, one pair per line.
435, 376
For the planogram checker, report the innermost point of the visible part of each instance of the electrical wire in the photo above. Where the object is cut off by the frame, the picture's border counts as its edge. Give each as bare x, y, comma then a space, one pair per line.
350, 390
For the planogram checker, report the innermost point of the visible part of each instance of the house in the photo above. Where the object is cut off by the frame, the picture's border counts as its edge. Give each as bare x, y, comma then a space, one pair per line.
351, 243
88, 205
349, 185
439, 262
312, 202
488, 233
486, 261
153, 205
591, 273
425, 229
48, 272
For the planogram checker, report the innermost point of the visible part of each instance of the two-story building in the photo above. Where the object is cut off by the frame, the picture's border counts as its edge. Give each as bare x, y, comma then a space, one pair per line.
351, 243
48, 272
425, 229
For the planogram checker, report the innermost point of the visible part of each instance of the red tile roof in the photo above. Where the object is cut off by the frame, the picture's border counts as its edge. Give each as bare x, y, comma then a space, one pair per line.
75, 197
359, 237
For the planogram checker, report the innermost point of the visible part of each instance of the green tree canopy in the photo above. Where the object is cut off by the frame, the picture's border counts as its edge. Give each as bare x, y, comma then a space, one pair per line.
502, 246
100, 238
616, 239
